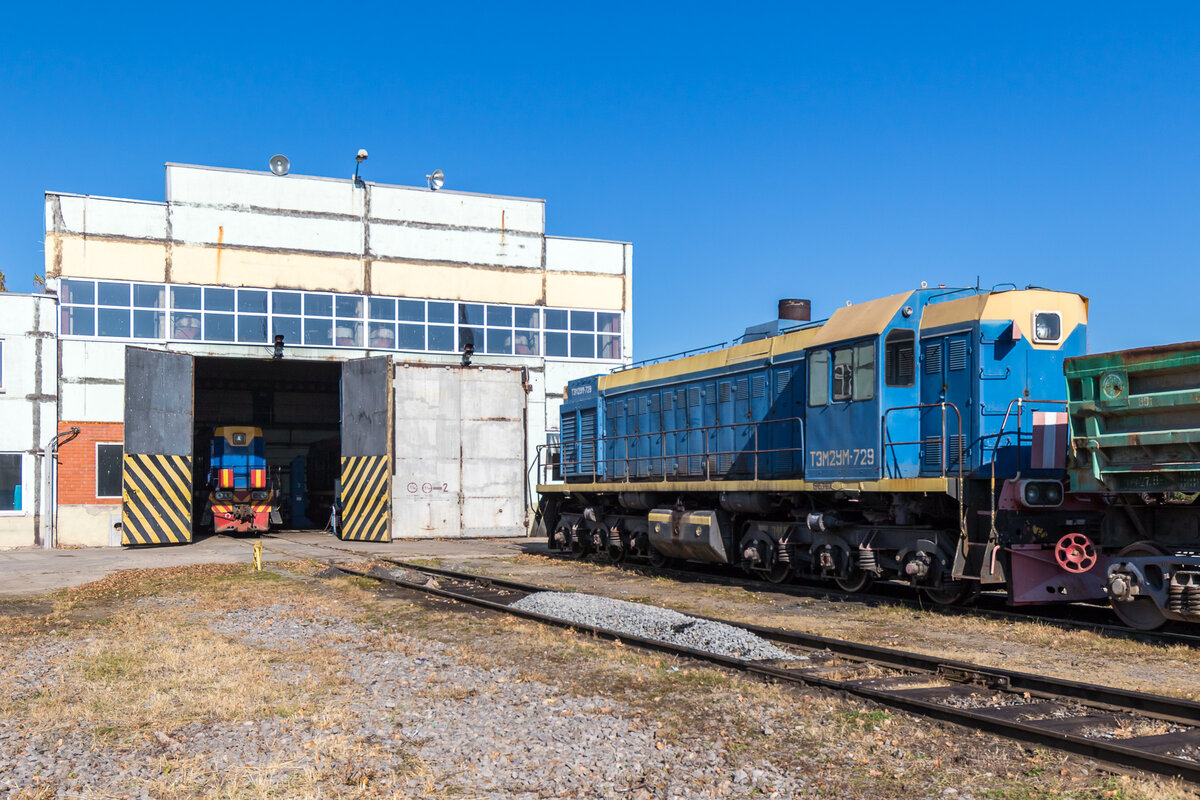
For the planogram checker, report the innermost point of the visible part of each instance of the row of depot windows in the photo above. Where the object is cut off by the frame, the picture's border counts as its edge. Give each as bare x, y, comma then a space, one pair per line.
120, 310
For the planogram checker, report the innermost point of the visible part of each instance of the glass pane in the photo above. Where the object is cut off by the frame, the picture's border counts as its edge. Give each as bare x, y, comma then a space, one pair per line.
149, 324
288, 328
79, 292
149, 296
583, 321
842, 361
525, 343
381, 335
499, 341
470, 314
499, 316
218, 327
471, 336
818, 378
218, 300
556, 344
441, 337
285, 303
185, 325
348, 334
318, 305
112, 322
526, 318
381, 308
411, 310
253, 301
349, 306
412, 337
318, 331
112, 294
556, 320
608, 346
79, 322
108, 470
10, 482
252, 329
608, 323
583, 345
441, 312
185, 297
863, 385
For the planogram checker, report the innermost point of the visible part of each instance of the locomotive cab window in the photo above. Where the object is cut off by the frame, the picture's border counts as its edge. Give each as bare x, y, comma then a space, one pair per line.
900, 358
843, 376
818, 377
862, 386
1047, 327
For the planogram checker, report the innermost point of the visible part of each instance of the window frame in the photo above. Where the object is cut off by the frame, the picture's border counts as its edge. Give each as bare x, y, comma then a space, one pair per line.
19, 510
859, 384
1033, 326
820, 380
96, 487
895, 341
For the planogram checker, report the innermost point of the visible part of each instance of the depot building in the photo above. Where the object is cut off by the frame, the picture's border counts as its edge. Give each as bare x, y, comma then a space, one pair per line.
403, 351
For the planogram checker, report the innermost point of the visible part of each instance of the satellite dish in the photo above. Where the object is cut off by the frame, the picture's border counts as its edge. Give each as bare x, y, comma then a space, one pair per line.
279, 164
437, 179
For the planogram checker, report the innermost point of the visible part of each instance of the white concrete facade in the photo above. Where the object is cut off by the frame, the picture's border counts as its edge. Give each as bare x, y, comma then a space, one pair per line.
296, 235
28, 400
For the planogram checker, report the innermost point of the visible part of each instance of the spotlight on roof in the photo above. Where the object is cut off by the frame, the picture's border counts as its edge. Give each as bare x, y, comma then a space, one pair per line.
358, 159
436, 179
279, 164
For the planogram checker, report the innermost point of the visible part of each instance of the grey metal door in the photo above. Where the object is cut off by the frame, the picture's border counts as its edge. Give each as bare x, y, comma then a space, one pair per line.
367, 460
156, 471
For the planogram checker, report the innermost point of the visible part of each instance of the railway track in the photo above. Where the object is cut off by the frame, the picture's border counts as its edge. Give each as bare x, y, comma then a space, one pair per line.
1120, 728
1072, 617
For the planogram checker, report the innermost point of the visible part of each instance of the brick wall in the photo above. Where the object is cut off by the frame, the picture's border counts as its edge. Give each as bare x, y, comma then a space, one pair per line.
77, 461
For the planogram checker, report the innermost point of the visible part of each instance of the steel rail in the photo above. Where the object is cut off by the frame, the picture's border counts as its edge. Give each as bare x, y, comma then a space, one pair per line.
953, 673
818, 590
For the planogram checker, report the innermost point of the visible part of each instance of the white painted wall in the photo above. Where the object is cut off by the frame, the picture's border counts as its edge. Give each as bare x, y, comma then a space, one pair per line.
27, 405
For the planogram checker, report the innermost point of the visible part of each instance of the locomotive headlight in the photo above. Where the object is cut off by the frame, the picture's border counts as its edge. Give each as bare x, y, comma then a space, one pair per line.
223, 495
1041, 494
260, 495
1047, 326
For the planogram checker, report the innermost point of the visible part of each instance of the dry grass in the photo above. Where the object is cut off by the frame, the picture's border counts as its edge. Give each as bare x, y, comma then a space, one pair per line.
142, 662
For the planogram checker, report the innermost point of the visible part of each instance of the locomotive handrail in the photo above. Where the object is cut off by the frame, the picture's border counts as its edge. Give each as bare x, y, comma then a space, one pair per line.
568, 459
1018, 402
884, 444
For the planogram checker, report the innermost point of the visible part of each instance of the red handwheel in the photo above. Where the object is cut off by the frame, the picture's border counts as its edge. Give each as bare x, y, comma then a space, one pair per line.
1075, 553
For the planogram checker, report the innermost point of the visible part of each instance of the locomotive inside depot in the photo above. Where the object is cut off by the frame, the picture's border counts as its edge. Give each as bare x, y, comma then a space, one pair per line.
284, 412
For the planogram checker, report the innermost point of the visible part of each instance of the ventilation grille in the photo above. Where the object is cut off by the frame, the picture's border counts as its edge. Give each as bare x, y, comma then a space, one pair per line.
933, 358
743, 389
725, 393
933, 454
694, 396
957, 354
587, 441
783, 381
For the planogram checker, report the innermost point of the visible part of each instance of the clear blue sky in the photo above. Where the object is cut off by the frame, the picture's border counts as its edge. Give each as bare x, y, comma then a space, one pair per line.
748, 152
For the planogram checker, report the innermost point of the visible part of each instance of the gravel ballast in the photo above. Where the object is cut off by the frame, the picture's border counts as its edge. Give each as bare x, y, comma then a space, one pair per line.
652, 622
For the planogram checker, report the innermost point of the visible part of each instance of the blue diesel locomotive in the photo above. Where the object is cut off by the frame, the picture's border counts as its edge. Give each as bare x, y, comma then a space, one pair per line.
918, 437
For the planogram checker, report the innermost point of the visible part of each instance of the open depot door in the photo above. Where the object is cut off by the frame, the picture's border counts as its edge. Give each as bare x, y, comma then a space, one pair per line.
156, 472
368, 437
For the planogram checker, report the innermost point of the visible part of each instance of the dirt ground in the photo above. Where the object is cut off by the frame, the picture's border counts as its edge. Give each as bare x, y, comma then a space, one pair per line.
221, 681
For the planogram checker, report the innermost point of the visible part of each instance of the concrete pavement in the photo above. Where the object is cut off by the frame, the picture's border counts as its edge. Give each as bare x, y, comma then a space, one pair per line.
29, 571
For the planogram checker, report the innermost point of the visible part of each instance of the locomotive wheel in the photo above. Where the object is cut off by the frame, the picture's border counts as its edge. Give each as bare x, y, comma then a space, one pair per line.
779, 572
657, 559
1142, 613
580, 547
948, 594
615, 554
857, 582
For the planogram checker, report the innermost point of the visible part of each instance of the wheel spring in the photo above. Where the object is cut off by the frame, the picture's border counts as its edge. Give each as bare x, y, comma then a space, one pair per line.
1191, 600
782, 556
1175, 598
866, 559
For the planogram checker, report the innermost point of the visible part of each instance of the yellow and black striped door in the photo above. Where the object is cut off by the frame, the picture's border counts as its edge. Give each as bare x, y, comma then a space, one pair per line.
156, 499
367, 463
156, 480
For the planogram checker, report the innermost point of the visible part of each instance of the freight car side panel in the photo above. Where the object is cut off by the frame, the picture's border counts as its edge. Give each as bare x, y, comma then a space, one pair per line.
1135, 420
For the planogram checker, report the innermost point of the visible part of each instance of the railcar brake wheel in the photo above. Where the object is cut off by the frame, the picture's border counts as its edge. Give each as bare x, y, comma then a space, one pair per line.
1141, 613
858, 581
